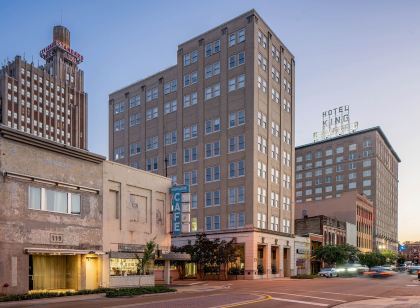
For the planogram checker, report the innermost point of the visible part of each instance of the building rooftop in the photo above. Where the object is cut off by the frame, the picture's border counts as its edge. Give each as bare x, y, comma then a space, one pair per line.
360, 132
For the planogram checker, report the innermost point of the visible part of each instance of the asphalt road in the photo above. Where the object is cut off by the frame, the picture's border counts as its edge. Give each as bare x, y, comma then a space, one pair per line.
320, 292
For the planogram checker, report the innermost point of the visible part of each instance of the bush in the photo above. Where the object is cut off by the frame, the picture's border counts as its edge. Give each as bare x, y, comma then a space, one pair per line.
236, 271
260, 269
137, 291
303, 276
39, 295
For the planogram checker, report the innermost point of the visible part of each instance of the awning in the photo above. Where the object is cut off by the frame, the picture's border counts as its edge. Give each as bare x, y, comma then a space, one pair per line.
55, 251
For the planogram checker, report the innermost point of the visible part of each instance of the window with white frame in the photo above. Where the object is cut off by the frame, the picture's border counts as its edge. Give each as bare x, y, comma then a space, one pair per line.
261, 169
151, 113
236, 169
236, 60
152, 94
262, 62
134, 119
212, 126
194, 200
275, 175
261, 144
212, 174
275, 96
212, 198
190, 132
54, 201
119, 107
261, 119
236, 118
274, 199
286, 225
190, 155
274, 223
212, 70
190, 177
286, 181
190, 99
261, 195
286, 204
212, 48
275, 53
170, 87
212, 91
169, 107
212, 149
170, 159
261, 220
275, 74
190, 58
286, 105
119, 153
261, 84
275, 152
236, 37
236, 194
171, 137
236, 83
287, 137
236, 143
190, 79
119, 125
152, 143
275, 129
262, 39
286, 159
135, 148
134, 101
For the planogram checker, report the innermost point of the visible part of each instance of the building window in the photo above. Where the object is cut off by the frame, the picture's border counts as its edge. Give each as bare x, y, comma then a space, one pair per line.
286, 225
212, 126
261, 195
286, 203
152, 94
194, 200
212, 198
118, 107
54, 201
194, 226
170, 86
190, 58
119, 125
212, 70
236, 194
261, 170
262, 39
212, 48
151, 113
261, 220
275, 96
274, 223
262, 62
152, 164
152, 143
262, 144
190, 155
287, 137
170, 107
134, 101
261, 119
236, 60
262, 84
170, 159
212, 91
190, 99
236, 37
236, 118
171, 137
236, 144
119, 153
236, 83
190, 177
190, 79
134, 119
212, 174
236, 169
212, 149
135, 148
274, 199
190, 132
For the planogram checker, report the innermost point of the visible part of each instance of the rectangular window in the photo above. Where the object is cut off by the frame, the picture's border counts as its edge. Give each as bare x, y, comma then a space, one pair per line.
170, 107
190, 99
135, 149
212, 70
134, 101
34, 198
152, 94
151, 113
171, 138
152, 143
212, 91
190, 132
170, 86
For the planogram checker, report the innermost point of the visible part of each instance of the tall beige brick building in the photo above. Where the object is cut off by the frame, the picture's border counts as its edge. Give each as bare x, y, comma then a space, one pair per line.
222, 121
363, 162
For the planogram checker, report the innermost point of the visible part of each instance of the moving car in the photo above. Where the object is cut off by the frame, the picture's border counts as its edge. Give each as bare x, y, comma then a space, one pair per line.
328, 272
379, 272
413, 269
352, 269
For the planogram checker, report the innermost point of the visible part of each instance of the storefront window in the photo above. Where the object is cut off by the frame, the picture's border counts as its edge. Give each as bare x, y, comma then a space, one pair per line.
123, 267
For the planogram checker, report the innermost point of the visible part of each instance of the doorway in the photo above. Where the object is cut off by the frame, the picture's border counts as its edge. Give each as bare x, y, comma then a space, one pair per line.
286, 262
92, 279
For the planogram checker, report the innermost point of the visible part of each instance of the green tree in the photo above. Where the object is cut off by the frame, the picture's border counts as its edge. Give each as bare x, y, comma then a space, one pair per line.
145, 261
336, 254
371, 259
226, 253
390, 256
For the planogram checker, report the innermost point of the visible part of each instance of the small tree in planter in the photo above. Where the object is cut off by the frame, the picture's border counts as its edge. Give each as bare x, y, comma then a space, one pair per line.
147, 258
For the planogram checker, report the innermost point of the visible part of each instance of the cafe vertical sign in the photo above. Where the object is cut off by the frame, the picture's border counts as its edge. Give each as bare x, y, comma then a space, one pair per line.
180, 209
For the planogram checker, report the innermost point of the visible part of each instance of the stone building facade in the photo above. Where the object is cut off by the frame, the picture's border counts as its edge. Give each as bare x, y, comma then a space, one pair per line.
332, 230
50, 214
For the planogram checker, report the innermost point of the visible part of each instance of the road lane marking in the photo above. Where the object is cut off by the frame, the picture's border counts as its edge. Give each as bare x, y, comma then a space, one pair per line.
299, 302
253, 301
163, 301
317, 297
347, 294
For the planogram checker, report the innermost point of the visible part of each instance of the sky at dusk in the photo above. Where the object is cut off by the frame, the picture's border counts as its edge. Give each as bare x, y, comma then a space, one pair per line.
362, 53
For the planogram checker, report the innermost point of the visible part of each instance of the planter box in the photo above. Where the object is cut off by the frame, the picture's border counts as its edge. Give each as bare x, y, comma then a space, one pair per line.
131, 281
236, 277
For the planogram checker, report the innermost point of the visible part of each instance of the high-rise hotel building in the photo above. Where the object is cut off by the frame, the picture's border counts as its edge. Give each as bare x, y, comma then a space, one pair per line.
47, 101
362, 162
222, 121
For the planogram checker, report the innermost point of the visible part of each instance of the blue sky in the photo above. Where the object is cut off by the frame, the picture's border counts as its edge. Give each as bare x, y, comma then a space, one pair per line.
362, 53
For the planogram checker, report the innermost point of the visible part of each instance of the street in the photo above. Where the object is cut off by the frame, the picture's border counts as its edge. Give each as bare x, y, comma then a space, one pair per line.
321, 292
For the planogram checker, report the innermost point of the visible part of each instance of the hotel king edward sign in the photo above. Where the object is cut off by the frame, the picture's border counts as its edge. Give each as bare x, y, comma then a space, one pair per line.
336, 122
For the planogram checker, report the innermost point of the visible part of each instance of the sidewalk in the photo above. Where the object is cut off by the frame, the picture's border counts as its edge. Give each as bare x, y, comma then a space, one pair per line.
52, 300
401, 301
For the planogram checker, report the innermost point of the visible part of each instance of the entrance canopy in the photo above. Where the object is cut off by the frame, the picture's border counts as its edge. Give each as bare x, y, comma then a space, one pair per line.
55, 251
